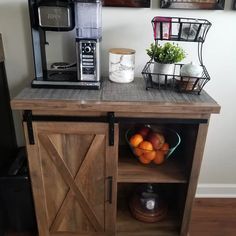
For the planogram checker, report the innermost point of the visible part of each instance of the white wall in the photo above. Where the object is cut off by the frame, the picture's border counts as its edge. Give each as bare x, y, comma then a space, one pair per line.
132, 28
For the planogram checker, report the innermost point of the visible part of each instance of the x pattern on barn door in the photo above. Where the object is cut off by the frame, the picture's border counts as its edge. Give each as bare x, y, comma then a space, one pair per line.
71, 163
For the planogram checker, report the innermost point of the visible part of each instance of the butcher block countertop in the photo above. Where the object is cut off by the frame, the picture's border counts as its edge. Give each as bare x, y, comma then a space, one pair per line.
119, 98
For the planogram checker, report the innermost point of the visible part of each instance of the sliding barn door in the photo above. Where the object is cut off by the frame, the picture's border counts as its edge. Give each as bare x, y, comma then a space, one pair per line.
73, 173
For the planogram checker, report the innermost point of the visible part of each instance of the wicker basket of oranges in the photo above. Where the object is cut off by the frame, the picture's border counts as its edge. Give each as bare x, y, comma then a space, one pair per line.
152, 143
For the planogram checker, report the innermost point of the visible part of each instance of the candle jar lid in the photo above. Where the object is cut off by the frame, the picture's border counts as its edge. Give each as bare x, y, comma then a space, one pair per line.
122, 51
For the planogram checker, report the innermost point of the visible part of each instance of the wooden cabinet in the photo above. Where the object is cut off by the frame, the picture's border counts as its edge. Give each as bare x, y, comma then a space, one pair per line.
73, 173
82, 170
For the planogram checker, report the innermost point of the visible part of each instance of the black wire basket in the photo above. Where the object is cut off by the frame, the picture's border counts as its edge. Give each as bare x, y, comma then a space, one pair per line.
174, 81
180, 29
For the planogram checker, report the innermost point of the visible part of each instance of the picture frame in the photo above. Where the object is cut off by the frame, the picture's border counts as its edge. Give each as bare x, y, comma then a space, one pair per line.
195, 4
234, 5
127, 3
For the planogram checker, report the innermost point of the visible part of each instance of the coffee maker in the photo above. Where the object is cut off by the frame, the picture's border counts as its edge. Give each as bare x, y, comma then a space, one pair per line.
83, 18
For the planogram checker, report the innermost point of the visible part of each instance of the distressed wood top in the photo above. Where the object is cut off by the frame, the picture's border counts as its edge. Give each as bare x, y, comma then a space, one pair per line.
115, 97
1, 50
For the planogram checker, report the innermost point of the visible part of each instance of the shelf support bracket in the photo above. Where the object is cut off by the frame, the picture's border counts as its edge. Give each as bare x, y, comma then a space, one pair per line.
111, 121
28, 120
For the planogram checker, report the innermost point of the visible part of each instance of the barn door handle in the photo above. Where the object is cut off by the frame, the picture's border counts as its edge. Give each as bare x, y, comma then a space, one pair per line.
110, 187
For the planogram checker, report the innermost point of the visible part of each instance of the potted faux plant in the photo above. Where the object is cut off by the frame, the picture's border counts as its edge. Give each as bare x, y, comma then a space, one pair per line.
164, 57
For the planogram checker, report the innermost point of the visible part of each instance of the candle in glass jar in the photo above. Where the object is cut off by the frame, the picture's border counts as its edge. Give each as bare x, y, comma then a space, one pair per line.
121, 65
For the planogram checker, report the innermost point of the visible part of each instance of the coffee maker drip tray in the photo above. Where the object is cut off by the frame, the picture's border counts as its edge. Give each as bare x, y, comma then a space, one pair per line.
62, 76
64, 80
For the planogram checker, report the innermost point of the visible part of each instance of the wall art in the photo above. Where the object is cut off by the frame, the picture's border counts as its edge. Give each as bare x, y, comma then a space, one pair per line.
127, 3
195, 4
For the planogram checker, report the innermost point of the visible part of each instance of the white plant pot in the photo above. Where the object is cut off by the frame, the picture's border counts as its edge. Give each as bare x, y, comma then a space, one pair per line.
163, 69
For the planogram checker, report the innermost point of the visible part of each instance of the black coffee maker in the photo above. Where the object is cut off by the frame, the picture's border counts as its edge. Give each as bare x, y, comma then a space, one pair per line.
83, 18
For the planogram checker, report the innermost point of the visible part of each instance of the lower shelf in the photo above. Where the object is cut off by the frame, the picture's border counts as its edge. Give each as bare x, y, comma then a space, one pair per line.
128, 226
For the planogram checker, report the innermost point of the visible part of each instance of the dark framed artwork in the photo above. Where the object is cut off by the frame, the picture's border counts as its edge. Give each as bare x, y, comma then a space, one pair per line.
195, 4
127, 3
234, 5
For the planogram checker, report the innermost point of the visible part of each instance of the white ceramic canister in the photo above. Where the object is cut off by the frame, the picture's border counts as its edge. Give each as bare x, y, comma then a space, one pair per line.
121, 65
191, 70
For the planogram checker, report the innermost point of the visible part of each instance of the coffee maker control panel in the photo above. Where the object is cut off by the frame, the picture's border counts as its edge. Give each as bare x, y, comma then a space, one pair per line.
88, 65
88, 58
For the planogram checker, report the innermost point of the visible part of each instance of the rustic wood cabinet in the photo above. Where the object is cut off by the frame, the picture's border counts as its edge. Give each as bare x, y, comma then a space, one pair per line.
72, 166
82, 171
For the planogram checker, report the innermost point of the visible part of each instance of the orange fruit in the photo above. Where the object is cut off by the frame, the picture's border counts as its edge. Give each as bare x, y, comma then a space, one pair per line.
151, 155
143, 160
165, 148
160, 157
146, 146
138, 152
136, 139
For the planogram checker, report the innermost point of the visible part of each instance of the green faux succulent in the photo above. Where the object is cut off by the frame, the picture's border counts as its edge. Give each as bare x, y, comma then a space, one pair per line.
166, 54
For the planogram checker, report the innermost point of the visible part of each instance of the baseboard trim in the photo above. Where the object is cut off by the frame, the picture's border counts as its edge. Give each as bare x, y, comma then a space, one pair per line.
216, 191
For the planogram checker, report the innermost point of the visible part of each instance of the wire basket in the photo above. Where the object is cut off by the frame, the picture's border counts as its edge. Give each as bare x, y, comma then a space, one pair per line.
180, 29
174, 81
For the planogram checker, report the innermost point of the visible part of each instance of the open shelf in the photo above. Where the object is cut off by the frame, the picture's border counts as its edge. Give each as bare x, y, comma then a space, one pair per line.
130, 170
127, 225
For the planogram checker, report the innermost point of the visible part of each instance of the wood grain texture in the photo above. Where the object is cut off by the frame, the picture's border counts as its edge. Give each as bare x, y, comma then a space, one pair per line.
68, 178
122, 114
127, 225
12, 233
132, 98
82, 234
122, 51
82, 173
70, 157
1, 50
130, 170
111, 171
195, 170
78, 156
37, 184
214, 217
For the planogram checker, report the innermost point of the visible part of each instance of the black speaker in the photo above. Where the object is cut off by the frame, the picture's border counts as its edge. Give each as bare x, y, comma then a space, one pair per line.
8, 145
16, 203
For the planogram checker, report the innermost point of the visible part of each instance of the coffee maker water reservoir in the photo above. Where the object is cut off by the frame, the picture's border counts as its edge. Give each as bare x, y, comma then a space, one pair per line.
88, 37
